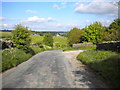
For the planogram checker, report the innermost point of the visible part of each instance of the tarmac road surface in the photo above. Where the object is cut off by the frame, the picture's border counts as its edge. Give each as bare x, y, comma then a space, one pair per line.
50, 69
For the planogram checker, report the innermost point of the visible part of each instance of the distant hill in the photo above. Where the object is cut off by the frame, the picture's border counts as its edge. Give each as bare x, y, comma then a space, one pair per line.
5, 30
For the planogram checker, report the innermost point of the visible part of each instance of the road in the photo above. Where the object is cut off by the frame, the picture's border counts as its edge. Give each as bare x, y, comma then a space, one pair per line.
52, 69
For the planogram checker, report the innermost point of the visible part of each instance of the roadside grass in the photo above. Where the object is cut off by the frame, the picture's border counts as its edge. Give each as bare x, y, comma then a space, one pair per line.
80, 48
105, 63
12, 57
5, 35
37, 49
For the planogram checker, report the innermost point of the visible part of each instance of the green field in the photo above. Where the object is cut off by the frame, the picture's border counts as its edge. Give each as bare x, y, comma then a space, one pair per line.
36, 39
59, 41
5, 34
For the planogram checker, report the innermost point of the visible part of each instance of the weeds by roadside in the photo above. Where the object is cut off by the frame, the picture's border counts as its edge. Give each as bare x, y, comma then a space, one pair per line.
80, 48
105, 63
12, 57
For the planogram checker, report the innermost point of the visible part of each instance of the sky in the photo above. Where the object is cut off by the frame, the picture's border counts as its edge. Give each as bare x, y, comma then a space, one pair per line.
57, 16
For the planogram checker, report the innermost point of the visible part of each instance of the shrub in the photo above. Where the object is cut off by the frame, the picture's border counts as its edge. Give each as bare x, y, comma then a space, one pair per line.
48, 40
37, 49
74, 36
12, 57
21, 37
93, 33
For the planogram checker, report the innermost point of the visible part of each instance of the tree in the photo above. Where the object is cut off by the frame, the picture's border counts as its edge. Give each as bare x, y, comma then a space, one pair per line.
74, 36
114, 30
21, 37
94, 33
48, 39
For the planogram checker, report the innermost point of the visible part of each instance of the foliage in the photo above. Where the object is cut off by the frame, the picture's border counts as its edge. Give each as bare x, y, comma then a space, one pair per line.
48, 40
21, 37
37, 49
113, 31
106, 63
94, 33
12, 57
74, 36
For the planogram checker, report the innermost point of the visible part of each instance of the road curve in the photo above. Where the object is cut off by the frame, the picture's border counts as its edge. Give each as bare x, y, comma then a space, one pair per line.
49, 69
44, 70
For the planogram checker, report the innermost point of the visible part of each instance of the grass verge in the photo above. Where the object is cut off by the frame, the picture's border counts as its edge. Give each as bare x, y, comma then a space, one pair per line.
105, 63
12, 57
80, 48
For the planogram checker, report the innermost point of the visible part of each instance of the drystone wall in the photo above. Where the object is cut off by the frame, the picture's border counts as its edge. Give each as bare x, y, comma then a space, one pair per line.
82, 44
111, 46
5, 44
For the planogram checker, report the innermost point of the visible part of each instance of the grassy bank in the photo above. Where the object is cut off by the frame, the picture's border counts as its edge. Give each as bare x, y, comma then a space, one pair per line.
12, 57
105, 63
80, 48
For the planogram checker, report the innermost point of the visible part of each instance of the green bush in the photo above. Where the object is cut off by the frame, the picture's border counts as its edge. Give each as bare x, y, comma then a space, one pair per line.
93, 33
21, 37
48, 39
74, 36
12, 57
106, 63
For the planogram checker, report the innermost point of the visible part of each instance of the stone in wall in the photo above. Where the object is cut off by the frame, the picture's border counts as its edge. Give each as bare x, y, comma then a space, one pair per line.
82, 44
5, 44
111, 46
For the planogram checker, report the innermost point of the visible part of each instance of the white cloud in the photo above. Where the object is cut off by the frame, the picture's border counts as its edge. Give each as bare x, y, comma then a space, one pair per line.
55, 6
6, 26
64, 3
107, 22
61, 5
71, 25
8, 19
38, 19
30, 11
59, 25
98, 7
88, 21
2, 18
103, 21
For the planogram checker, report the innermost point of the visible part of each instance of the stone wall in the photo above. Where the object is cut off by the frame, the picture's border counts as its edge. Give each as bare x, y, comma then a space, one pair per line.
82, 44
111, 46
5, 44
